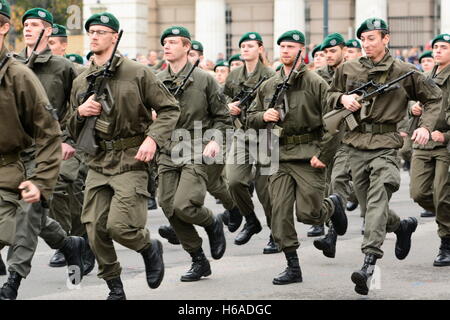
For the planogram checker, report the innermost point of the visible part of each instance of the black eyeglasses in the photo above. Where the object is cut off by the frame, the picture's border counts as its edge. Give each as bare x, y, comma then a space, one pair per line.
99, 32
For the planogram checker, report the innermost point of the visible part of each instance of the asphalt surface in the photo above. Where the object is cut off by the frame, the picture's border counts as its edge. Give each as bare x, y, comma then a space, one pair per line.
244, 273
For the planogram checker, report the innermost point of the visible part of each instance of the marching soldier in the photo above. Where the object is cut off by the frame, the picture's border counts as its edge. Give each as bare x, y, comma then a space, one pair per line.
353, 50
222, 70
56, 75
183, 182
333, 46
239, 170
374, 143
426, 61
304, 154
235, 61
57, 41
319, 58
27, 120
115, 198
430, 162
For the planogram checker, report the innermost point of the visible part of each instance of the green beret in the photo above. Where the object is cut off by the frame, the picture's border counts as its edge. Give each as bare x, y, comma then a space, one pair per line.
444, 37
353, 43
250, 36
316, 49
332, 40
235, 57
5, 9
59, 31
221, 64
175, 31
279, 67
103, 19
292, 36
426, 54
75, 58
89, 55
38, 13
372, 24
197, 46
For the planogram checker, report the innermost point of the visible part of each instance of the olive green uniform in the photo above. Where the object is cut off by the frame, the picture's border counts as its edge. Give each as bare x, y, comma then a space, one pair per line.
25, 118
430, 163
374, 144
296, 181
183, 184
239, 164
56, 75
339, 178
115, 198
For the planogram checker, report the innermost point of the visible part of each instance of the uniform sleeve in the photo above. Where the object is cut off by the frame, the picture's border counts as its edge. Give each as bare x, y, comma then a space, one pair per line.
45, 129
74, 123
71, 74
157, 97
337, 90
218, 108
420, 88
329, 143
255, 112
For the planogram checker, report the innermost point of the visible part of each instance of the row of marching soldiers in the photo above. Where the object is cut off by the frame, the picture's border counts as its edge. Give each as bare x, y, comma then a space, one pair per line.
81, 202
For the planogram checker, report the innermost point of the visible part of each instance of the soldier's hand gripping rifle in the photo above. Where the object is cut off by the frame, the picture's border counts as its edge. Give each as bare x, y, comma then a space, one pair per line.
180, 89
334, 118
278, 102
98, 87
245, 97
34, 54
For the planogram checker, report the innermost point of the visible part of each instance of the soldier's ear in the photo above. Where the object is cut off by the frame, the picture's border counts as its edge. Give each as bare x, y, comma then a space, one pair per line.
4, 29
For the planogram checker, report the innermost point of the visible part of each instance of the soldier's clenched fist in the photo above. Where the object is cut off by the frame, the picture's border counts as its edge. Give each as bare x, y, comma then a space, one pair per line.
90, 108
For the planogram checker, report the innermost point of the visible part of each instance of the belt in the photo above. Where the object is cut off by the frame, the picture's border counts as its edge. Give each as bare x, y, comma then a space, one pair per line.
376, 128
300, 139
121, 144
6, 159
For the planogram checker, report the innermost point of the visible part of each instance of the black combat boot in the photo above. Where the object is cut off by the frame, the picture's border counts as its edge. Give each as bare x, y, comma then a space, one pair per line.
339, 218
234, 219
154, 264
225, 217
404, 232
216, 237
427, 214
73, 250
271, 247
200, 267
292, 273
57, 260
152, 203
9, 289
361, 277
443, 258
2, 267
89, 257
351, 206
116, 289
168, 233
251, 227
328, 243
316, 231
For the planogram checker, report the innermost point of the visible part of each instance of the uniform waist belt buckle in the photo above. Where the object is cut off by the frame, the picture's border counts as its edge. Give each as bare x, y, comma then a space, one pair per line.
109, 145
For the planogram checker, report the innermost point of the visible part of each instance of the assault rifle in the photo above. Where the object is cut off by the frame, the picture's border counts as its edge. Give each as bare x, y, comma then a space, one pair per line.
34, 54
245, 97
180, 89
97, 87
278, 102
334, 118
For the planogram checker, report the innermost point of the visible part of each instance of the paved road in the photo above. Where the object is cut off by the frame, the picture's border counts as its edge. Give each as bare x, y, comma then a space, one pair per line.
245, 273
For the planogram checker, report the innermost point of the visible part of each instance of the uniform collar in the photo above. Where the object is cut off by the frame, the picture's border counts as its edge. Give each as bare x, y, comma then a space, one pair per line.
93, 68
169, 76
3, 52
442, 76
42, 57
383, 65
281, 75
252, 80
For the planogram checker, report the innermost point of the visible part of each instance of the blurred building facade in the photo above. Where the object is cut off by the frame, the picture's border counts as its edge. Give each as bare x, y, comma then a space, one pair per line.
220, 23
